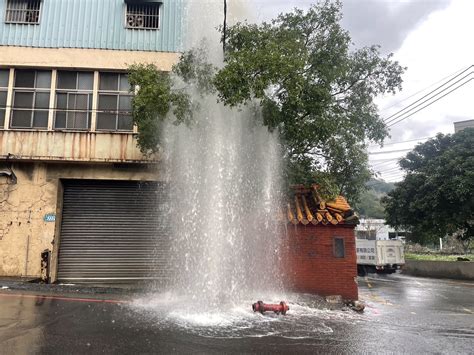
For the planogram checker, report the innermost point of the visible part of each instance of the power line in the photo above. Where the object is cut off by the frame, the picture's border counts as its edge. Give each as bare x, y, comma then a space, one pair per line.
394, 169
399, 142
392, 117
389, 172
391, 161
427, 100
383, 164
393, 178
422, 90
431, 103
224, 34
393, 172
390, 151
382, 160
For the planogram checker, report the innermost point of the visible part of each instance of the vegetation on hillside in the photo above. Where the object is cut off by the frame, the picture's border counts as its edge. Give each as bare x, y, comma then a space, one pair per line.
369, 204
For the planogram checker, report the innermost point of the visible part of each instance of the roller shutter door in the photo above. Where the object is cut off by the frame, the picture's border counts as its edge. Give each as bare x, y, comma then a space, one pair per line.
113, 232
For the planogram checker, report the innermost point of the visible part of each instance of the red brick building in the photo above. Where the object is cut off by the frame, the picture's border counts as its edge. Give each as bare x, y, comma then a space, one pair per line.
319, 249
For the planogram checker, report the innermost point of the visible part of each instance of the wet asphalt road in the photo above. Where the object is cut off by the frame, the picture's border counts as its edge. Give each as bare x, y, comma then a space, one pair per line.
403, 315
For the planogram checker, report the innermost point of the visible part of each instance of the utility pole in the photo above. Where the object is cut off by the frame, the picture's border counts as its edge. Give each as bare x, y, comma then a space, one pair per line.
225, 26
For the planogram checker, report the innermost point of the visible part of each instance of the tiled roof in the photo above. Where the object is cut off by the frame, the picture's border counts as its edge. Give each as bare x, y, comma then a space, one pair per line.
307, 207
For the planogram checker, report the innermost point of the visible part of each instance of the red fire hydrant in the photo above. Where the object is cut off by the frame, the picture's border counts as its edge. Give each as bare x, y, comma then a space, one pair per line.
277, 308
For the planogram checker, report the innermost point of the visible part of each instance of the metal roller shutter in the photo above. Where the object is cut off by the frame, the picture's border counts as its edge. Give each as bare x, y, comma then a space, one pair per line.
113, 232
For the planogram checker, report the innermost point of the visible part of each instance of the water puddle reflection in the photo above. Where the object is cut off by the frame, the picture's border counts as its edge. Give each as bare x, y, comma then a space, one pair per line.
308, 317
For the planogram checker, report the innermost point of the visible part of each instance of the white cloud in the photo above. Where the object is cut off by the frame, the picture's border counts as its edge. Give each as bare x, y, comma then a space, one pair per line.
438, 47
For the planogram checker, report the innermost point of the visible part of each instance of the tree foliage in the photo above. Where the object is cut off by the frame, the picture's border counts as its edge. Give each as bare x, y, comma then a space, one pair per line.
436, 198
154, 99
311, 86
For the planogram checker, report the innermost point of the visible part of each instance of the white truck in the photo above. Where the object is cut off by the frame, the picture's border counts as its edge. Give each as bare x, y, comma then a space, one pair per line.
381, 256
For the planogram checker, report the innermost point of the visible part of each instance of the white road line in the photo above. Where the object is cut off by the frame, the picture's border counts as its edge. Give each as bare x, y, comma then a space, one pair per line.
383, 280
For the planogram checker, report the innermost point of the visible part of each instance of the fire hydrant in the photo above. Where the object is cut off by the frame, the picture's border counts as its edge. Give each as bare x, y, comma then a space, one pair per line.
277, 308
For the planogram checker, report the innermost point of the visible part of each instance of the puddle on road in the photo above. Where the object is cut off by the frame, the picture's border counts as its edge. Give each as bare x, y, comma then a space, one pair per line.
307, 318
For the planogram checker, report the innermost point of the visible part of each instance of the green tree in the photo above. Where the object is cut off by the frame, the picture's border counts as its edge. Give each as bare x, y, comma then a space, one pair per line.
436, 198
314, 88
311, 86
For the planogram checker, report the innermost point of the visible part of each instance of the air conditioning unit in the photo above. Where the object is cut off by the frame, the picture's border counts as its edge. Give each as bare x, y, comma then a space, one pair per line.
135, 21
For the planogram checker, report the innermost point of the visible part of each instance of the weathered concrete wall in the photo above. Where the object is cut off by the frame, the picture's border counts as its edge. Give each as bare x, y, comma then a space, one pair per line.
23, 232
463, 270
98, 59
76, 146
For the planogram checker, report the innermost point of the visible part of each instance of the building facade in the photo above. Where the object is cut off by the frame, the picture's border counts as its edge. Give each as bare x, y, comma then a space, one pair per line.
459, 126
377, 229
72, 180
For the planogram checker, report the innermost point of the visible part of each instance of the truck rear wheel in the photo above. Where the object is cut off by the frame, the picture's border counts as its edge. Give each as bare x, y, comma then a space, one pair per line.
361, 270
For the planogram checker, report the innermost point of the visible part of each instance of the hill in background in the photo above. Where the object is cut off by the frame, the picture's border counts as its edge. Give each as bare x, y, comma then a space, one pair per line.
369, 205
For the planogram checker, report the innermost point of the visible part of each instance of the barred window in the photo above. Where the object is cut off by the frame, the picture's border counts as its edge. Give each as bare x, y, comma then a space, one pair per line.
23, 11
74, 100
339, 250
31, 94
143, 16
4, 76
115, 103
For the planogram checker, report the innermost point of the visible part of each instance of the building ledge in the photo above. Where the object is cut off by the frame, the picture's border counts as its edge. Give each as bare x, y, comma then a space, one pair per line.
77, 58
75, 146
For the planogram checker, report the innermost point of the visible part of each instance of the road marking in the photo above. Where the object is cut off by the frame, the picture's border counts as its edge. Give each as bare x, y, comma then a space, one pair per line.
380, 279
367, 281
70, 299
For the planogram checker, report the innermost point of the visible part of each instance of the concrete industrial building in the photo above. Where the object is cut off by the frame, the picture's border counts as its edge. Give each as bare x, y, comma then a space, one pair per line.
460, 125
71, 174
72, 180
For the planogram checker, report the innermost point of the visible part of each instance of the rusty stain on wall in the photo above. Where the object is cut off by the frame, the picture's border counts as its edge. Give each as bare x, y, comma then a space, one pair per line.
72, 146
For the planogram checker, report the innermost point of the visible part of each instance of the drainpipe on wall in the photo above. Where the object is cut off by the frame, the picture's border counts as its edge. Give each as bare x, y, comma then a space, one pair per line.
27, 255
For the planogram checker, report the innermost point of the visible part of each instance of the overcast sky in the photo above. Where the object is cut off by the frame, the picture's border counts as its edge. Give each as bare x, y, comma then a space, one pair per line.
433, 38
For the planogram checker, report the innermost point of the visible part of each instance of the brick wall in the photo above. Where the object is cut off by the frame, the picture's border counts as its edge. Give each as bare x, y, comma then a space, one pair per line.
310, 264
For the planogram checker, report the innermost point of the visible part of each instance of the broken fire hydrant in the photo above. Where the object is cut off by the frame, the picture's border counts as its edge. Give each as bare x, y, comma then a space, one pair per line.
277, 308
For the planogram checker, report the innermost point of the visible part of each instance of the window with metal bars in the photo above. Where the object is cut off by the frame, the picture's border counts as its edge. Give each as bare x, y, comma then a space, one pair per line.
115, 103
339, 247
143, 16
74, 100
4, 76
31, 94
23, 11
